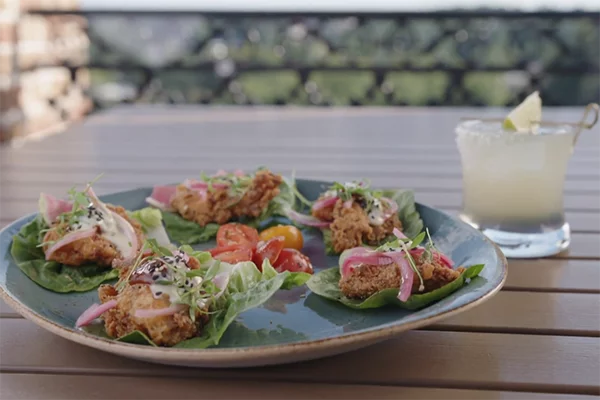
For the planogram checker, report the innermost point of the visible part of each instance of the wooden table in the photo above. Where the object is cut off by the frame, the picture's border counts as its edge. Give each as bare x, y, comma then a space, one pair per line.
538, 338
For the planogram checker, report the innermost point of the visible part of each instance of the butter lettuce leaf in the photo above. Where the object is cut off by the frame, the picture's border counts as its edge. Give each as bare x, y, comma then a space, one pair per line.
247, 288
183, 231
52, 275
137, 337
326, 284
152, 224
412, 224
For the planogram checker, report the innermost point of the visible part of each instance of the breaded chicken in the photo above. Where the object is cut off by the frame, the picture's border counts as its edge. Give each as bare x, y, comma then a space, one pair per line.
325, 213
365, 280
218, 206
383, 231
350, 227
166, 330
95, 249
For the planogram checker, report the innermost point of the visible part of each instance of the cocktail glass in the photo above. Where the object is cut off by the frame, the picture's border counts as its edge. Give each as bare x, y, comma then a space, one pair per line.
513, 184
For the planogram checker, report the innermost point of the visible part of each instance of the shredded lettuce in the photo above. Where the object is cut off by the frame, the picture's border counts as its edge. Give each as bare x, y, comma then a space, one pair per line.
326, 284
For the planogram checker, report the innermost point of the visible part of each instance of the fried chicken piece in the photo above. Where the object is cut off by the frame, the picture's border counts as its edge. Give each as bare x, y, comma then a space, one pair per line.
351, 228
348, 227
95, 249
367, 280
380, 232
218, 206
166, 330
325, 213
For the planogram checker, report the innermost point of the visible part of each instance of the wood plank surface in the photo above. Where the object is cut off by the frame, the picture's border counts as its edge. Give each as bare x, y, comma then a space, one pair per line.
553, 364
61, 387
7, 312
549, 275
536, 313
538, 338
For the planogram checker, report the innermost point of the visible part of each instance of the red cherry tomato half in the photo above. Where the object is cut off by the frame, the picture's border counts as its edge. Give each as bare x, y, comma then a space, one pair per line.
224, 249
237, 234
232, 255
294, 261
268, 250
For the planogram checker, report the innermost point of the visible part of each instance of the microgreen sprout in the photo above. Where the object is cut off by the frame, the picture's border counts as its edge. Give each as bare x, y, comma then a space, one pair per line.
237, 185
405, 245
360, 190
194, 287
68, 220
297, 193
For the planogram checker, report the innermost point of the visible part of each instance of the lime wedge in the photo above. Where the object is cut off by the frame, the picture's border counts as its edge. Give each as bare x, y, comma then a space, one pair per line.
525, 117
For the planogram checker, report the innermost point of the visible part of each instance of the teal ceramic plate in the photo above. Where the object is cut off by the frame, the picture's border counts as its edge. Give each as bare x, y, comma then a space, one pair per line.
294, 325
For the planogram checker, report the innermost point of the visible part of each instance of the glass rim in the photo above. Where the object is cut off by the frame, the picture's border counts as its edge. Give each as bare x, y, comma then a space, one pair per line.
471, 125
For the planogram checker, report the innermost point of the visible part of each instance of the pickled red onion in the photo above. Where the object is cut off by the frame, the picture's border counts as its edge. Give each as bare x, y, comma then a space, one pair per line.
122, 223
221, 281
406, 273
307, 219
364, 256
158, 312
51, 207
96, 201
367, 257
418, 251
161, 197
398, 233
68, 239
392, 207
129, 232
324, 203
93, 312
446, 260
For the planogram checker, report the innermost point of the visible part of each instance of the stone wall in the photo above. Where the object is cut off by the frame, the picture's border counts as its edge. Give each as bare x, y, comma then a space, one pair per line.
38, 92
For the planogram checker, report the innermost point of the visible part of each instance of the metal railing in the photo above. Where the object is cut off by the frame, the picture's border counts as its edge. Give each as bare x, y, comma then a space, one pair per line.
438, 59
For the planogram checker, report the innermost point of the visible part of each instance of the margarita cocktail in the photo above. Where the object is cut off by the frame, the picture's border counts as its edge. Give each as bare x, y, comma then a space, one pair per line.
513, 186
513, 177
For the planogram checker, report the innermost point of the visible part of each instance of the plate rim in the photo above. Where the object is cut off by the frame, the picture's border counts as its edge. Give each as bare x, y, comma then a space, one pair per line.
258, 353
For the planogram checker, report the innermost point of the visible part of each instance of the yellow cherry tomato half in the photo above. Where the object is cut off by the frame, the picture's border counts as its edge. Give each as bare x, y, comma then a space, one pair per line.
292, 236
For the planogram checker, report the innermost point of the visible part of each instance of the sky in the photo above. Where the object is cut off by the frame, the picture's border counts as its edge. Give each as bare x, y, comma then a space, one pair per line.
338, 5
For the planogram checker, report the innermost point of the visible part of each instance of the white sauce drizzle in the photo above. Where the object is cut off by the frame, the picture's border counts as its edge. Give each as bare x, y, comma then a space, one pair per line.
109, 227
160, 271
376, 215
